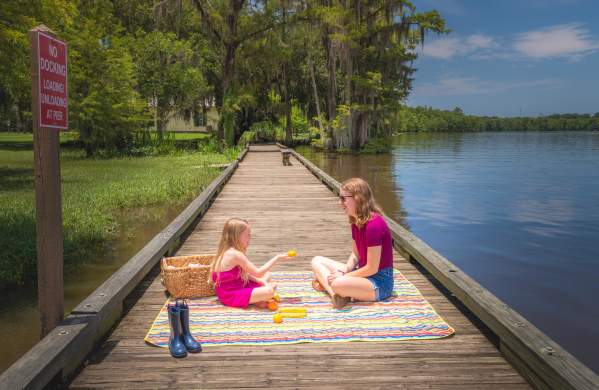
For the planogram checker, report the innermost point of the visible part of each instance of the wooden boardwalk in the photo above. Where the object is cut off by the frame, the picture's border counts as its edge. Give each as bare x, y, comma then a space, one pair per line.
290, 208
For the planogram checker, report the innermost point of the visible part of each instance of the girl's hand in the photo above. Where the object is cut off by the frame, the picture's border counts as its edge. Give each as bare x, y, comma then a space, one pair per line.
283, 256
334, 275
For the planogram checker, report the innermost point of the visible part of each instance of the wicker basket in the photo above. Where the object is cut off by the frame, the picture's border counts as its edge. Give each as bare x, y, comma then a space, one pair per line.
184, 281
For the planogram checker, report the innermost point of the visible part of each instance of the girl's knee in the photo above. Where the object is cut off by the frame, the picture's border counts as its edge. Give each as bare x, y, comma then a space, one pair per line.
316, 260
270, 291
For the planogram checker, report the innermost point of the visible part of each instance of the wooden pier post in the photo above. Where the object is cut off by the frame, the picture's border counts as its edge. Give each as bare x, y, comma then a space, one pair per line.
49, 108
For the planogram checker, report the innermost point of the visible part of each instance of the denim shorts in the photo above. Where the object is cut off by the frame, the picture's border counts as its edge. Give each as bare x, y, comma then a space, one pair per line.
383, 283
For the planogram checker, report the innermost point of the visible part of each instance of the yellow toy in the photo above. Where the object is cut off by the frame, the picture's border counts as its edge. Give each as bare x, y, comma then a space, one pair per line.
277, 297
293, 315
292, 253
289, 312
293, 310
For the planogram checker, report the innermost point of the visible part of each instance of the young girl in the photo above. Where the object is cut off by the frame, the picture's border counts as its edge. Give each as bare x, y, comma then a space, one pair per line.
368, 273
237, 281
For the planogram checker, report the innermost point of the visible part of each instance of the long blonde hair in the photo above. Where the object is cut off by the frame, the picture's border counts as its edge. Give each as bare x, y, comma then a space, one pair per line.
365, 203
230, 239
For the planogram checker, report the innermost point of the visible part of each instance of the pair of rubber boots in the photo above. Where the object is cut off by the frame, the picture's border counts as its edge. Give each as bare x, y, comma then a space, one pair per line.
181, 341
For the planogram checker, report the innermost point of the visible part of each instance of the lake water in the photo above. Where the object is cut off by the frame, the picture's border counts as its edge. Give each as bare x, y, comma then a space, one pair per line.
19, 314
517, 211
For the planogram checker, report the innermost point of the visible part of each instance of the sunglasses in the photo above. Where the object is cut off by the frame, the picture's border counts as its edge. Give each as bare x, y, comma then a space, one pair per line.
343, 198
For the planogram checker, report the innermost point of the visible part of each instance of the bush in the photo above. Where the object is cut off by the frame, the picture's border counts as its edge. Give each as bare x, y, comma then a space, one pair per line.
376, 146
266, 131
247, 137
299, 122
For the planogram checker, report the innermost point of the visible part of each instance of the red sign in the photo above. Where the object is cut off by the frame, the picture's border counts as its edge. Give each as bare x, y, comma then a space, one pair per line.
52, 68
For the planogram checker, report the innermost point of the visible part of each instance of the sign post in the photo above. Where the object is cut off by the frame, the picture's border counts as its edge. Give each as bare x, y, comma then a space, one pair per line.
50, 115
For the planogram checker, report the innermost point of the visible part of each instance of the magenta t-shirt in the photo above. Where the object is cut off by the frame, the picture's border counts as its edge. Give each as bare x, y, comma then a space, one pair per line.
374, 233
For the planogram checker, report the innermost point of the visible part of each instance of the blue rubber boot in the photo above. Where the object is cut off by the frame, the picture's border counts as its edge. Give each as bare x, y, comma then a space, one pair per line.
190, 343
175, 342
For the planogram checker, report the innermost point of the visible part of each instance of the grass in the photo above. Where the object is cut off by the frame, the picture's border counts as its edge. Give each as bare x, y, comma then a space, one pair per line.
25, 139
94, 191
10, 138
191, 136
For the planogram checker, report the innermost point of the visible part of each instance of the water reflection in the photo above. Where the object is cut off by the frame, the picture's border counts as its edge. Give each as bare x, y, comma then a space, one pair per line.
517, 211
372, 168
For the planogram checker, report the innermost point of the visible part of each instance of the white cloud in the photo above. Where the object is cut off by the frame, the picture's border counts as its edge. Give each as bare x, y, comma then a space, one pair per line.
571, 41
457, 86
448, 47
479, 41
565, 40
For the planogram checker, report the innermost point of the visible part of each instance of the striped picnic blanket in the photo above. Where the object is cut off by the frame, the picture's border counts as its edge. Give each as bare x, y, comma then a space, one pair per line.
405, 315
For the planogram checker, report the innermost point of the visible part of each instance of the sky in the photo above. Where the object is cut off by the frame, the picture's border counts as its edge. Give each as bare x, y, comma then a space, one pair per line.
511, 57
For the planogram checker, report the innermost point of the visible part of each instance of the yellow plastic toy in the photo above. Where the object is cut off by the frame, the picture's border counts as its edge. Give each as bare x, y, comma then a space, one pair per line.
289, 312
293, 310
293, 315
292, 253
277, 297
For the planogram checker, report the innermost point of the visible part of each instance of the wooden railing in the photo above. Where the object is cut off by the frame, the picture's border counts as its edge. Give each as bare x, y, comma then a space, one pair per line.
539, 359
65, 348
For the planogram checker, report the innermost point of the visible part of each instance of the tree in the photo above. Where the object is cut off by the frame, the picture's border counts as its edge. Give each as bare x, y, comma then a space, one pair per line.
169, 78
370, 47
105, 106
228, 24
17, 17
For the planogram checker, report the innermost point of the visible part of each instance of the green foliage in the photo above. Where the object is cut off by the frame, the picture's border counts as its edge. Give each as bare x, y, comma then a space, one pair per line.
377, 146
247, 137
135, 63
17, 17
267, 131
429, 119
104, 104
317, 143
228, 115
299, 122
168, 75
372, 48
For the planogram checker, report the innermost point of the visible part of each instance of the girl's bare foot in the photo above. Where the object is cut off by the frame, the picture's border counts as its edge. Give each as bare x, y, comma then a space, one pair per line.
339, 302
261, 305
317, 286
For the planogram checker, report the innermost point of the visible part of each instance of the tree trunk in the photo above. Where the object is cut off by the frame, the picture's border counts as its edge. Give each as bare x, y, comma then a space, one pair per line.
354, 115
315, 90
287, 98
156, 113
228, 70
161, 119
288, 129
331, 88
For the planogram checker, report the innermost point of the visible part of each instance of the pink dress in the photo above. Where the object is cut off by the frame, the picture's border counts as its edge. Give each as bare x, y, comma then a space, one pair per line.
231, 289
